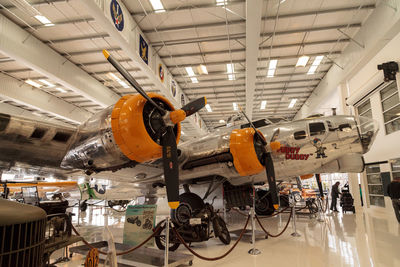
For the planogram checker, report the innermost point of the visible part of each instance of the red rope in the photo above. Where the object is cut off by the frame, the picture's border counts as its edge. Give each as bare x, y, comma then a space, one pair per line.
279, 234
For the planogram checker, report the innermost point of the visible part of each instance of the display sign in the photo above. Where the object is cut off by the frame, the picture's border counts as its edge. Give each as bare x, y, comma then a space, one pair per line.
139, 224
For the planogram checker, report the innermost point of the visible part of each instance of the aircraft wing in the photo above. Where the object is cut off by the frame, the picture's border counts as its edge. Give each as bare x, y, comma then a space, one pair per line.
33, 142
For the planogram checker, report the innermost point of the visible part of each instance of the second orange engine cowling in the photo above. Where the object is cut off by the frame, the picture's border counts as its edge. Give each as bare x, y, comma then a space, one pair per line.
120, 135
247, 151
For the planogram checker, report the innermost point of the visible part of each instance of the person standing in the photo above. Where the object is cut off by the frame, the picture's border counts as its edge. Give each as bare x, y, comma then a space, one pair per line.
335, 195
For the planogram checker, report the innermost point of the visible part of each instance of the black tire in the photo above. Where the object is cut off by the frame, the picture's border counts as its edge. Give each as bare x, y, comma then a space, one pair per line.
264, 203
83, 206
312, 206
160, 238
189, 205
224, 234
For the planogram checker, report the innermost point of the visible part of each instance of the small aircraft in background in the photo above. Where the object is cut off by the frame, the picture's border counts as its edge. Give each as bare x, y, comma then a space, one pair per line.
140, 135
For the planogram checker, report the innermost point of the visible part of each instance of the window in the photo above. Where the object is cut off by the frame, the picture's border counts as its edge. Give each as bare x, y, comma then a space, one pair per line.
395, 168
375, 188
300, 135
61, 137
391, 107
38, 133
317, 128
364, 110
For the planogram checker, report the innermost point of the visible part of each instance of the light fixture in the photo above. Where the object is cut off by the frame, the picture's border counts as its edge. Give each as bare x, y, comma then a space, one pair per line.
49, 84
291, 105
33, 83
263, 104
44, 20
302, 61
235, 106
202, 69
272, 68
315, 64
208, 107
221, 121
157, 6
116, 78
61, 90
37, 114
230, 69
220, 2
189, 71
182, 132
194, 80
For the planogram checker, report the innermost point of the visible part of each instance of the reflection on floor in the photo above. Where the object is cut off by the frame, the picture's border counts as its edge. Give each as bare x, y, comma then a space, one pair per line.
363, 239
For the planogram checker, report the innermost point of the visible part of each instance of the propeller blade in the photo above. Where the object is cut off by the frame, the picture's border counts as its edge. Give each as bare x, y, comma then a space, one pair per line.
254, 128
275, 135
269, 167
321, 191
171, 167
131, 80
194, 106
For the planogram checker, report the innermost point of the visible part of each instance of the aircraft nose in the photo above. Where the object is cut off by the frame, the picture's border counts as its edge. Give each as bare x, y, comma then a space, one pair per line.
368, 130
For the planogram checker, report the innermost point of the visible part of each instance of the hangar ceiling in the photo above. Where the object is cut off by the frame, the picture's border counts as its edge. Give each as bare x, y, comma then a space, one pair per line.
185, 34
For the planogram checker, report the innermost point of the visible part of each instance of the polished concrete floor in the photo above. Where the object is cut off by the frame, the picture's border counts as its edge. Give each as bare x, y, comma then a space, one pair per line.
367, 238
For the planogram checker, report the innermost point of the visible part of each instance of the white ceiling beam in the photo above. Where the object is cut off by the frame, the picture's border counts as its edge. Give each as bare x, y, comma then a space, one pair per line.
24, 94
30, 51
97, 13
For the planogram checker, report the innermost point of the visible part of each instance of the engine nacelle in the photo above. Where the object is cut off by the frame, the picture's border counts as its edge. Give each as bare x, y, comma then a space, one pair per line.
247, 151
119, 136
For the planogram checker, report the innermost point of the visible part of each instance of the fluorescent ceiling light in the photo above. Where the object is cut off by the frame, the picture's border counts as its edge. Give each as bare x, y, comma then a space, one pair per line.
202, 69
230, 68
194, 80
235, 106
123, 84
49, 84
113, 76
220, 2
315, 64
43, 19
272, 68
302, 62
208, 107
182, 132
33, 83
291, 105
263, 104
231, 77
157, 6
61, 90
221, 121
190, 71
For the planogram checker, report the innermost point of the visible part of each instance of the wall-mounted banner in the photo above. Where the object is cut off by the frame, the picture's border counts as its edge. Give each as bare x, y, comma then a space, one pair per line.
173, 88
116, 15
143, 50
161, 72
139, 224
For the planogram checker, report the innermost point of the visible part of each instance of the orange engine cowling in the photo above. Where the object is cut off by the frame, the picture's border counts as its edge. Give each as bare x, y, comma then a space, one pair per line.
120, 135
132, 127
246, 151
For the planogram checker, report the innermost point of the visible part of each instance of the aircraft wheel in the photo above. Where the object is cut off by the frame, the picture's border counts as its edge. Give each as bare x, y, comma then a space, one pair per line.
189, 204
264, 203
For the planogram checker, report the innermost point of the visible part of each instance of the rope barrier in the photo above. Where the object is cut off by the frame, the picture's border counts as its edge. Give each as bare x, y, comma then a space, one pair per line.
155, 232
279, 234
215, 258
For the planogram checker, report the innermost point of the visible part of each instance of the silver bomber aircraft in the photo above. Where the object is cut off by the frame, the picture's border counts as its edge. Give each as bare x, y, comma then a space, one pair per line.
140, 133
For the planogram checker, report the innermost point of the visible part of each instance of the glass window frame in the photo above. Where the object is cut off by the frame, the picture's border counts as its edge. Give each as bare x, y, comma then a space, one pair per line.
387, 110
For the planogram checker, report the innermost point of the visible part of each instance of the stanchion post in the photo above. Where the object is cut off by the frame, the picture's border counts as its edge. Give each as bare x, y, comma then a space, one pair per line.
254, 250
320, 219
167, 220
294, 234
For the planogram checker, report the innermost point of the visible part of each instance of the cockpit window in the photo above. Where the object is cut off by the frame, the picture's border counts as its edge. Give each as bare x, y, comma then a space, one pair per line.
317, 128
300, 135
345, 127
